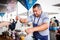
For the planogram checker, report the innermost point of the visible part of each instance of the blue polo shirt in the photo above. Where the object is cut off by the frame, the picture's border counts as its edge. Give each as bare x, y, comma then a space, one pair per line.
43, 19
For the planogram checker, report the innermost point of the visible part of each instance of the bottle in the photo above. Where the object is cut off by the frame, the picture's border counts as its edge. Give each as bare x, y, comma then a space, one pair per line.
9, 32
13, 35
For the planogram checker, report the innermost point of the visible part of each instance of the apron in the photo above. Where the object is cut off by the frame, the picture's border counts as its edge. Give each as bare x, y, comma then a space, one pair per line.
37, 35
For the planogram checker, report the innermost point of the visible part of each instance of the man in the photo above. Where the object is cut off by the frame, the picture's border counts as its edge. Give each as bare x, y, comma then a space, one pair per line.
56, 21
12, 25
40, 22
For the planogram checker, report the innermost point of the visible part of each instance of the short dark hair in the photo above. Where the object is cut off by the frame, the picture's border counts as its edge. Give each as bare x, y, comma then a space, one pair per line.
54, 17
37, 5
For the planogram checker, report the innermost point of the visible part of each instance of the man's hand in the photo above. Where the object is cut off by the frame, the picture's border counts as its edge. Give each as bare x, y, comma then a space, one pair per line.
29, 30
23, 20
16, 17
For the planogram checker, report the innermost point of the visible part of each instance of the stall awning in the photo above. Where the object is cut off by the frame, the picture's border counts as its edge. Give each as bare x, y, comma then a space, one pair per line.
27, 3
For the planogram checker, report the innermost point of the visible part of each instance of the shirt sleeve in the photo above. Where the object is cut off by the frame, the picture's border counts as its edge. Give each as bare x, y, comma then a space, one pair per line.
45, 19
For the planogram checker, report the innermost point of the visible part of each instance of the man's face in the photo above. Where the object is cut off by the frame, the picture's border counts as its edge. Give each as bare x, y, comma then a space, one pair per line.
36, 11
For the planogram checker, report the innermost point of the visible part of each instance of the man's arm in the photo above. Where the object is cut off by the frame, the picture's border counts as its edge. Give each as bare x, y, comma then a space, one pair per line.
38, 28
41, 27
4, 24
23, 20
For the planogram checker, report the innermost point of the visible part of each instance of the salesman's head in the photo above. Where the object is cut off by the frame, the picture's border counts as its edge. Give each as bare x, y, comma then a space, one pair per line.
37, 10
